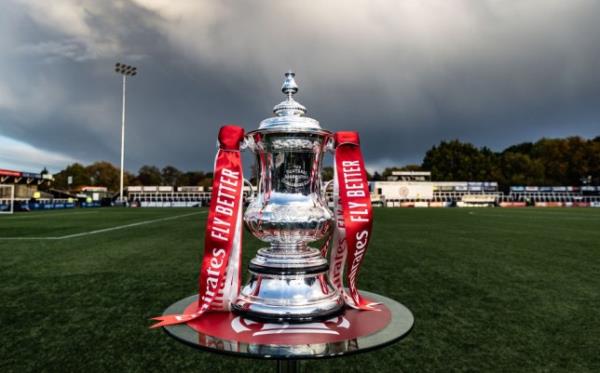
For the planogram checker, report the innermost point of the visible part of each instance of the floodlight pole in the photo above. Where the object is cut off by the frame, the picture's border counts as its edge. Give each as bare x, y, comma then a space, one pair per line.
125, 70
122, 141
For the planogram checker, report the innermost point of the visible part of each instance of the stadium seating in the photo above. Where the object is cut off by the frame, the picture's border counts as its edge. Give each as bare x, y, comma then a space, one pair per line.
476, 194
160, 196
555, 196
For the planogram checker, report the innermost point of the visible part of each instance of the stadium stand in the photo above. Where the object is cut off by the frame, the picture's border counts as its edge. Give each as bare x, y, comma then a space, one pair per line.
7, 198
556, 196
157, 196
26, 190
414, 189
477, 200
28, 196
168, 196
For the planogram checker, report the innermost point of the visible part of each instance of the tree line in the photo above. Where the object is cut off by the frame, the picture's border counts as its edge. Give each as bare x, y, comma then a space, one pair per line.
106, 174
549, 162
568, 161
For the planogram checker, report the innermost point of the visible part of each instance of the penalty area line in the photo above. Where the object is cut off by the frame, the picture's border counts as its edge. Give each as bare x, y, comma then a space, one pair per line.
104, 230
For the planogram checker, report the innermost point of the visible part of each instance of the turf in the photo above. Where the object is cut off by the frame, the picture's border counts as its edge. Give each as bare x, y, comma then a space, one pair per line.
492, 290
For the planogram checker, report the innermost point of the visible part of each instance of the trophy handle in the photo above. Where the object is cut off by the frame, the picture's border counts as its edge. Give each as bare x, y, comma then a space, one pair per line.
330, 145
252, 191
248, 143
326, 185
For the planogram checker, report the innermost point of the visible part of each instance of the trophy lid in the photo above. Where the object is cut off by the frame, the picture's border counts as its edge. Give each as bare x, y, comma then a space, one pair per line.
290, 113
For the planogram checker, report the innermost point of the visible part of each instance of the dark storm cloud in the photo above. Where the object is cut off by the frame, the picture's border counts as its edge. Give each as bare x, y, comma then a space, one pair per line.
406, 74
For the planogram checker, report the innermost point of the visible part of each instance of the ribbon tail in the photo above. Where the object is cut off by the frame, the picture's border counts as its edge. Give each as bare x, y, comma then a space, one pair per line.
169, 320
363, 306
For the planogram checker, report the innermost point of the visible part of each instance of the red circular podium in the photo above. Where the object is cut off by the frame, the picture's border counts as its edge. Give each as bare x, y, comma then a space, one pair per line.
352, 332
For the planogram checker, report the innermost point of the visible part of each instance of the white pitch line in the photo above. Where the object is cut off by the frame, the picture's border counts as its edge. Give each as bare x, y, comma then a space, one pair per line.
27, 238
536, 214
97, 231
47, 214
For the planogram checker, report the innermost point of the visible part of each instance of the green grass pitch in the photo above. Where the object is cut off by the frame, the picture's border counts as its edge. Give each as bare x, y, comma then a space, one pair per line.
492, 290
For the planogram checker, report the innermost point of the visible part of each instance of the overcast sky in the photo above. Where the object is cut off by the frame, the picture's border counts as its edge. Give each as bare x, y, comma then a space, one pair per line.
404, 73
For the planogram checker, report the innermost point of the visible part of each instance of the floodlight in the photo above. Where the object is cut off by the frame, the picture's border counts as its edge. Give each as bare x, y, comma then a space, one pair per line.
125, 70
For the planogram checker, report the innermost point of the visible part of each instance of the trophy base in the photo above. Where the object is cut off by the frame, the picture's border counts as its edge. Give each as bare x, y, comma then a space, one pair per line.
292, 319
292, 294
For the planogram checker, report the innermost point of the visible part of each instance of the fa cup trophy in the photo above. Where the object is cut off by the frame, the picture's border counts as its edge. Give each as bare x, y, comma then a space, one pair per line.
288, 279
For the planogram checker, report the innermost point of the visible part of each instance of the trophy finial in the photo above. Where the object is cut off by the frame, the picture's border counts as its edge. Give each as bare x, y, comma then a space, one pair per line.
289, 86
289, 113
289, 106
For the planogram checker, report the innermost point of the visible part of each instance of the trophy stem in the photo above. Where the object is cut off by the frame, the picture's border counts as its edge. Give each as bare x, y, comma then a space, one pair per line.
288, 246
270, 260
288, 286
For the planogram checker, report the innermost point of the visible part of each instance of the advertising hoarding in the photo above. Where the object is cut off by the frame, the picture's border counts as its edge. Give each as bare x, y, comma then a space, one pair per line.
4, 172
404, 189
31, 175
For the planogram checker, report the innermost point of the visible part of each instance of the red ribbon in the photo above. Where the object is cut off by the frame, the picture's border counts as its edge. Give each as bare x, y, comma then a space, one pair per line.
220, 276
219, 279
354, 217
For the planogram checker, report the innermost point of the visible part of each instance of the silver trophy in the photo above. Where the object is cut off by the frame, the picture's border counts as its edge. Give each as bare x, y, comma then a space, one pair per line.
288, 280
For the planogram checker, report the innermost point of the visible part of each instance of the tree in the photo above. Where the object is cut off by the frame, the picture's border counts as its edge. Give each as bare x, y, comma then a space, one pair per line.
594, 160
170, 175
411, 167
192, 178
99, 173
327, 173
387, 172
455, 160
44, 186
77, 171
545, 162
520, 169
487, 165
207, 181
149, 175
105, 174
578, 159
553, 153
523, 148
